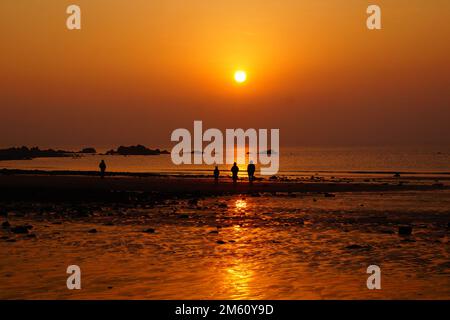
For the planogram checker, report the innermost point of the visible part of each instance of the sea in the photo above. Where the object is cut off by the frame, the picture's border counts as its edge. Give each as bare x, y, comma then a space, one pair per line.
293, 162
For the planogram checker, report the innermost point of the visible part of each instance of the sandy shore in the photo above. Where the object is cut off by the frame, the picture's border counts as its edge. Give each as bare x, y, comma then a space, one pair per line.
84, 187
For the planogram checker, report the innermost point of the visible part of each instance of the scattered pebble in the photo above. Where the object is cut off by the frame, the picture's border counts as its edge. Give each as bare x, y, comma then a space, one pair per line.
19, 230
193, 202
405, 230
358, 247
387, 231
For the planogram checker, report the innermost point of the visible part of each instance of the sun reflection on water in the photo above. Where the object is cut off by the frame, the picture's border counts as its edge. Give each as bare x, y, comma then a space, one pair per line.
238, 278
240, 206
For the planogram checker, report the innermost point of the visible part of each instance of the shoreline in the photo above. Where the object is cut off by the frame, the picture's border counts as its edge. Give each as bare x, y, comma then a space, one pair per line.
22, 185
192, 173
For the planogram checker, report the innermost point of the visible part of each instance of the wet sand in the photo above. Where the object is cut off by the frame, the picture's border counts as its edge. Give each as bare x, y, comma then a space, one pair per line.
88, 186
179, 238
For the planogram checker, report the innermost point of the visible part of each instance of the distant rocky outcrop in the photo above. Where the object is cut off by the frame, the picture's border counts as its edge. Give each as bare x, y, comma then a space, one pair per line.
88, 150
25, 153
269, 152
138, 150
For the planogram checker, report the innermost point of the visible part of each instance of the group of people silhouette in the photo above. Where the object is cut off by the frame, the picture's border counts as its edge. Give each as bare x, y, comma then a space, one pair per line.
251, 168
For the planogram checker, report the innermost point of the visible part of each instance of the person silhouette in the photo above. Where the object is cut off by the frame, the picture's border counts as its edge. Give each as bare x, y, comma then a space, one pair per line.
234, 171
251, 171
216, 174
102, 167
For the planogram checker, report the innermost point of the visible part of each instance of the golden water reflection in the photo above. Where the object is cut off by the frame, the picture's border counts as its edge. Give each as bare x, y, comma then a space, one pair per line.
239, 275
238, 279
240, 206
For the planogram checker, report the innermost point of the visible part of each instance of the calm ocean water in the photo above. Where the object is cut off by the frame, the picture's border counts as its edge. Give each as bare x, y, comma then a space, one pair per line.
298, 161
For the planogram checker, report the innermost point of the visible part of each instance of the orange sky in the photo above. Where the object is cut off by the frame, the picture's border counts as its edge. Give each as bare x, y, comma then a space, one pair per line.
139, 69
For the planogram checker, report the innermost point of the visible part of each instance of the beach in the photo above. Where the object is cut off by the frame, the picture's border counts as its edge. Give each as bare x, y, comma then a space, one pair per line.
177, 237
65, 183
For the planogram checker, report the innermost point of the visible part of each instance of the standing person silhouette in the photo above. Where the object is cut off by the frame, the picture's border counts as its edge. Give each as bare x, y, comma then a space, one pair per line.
102, 167
234, 171
251, 171
216, 174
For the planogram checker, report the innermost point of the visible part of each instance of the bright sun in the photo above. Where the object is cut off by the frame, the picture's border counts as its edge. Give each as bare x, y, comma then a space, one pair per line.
240, 76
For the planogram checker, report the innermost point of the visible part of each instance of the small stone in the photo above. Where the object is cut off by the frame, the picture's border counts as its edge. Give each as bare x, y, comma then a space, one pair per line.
193, 202
353, 246
358, 247
387, 231
220, 242
214, 231
149, 230
405, 230
93, 231
20, 230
